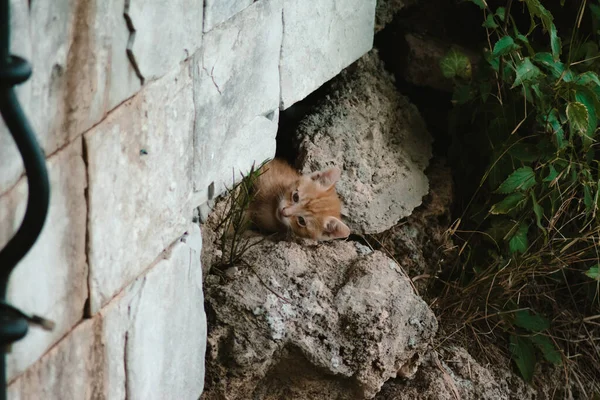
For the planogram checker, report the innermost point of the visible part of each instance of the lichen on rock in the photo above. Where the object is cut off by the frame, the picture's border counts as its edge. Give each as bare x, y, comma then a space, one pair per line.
344, 320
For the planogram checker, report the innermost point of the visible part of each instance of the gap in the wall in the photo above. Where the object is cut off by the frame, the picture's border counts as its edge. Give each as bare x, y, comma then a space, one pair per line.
292, 117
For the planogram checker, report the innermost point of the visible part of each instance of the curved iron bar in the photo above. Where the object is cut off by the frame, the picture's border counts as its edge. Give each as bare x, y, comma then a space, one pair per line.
15, 70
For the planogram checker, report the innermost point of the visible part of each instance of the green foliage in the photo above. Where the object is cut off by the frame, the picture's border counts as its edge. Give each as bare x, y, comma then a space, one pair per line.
521, 179
523, 354
234, 220
455, 64
529, 116
594, 272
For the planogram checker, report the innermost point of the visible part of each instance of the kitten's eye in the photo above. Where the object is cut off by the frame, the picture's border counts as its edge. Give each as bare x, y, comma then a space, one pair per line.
296, 197
301, 221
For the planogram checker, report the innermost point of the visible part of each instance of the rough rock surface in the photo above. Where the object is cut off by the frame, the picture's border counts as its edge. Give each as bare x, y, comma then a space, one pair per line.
421, 244
387, 9
456, 375
312, 321
379, 140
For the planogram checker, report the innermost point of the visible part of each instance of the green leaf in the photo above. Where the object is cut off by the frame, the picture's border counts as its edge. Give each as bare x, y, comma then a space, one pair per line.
556, 68
539, 213
519, 243
549, 351
523, 354
454, 64
489, 22
554, 125
524, 152
536, 9
526, 72
532, 322
504, 46
589, 79
480, 3
555, 42
501, 13
594, 272
586, 97
521, 179
578, 117
551, 175
509, 203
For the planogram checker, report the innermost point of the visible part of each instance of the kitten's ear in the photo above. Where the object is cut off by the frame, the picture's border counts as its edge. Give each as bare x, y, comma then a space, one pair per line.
335, 229
327, 177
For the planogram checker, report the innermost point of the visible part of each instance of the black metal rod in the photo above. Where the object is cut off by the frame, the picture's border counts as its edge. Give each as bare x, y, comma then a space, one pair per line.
14, 70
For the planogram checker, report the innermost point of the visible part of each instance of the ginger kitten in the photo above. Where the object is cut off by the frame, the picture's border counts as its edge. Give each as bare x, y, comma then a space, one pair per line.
307, 205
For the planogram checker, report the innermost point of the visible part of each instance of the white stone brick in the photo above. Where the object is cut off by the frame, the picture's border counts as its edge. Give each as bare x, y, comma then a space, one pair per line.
320, 38
166, 32
139, 167
167, 341
112, 36
217, 11
51, 280
72, 370
237, 94
155, 331
80, 71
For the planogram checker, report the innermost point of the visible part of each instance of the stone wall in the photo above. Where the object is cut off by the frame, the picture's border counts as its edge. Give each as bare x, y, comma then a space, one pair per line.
143, 108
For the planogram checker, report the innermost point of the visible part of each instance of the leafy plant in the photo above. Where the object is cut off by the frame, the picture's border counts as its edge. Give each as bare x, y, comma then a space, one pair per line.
234, 219
531, 228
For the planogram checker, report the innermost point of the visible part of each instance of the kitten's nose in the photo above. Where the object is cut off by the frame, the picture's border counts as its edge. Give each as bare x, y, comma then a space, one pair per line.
285, 212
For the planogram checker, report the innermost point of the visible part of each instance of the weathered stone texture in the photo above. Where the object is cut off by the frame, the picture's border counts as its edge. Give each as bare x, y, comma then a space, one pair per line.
379, 139
320, 38
72, 370
139, 166
217, 11
81, 71
169, 318
305, 321
155, 331
148, 343
166, 32
387, 9
236, 91
51, 280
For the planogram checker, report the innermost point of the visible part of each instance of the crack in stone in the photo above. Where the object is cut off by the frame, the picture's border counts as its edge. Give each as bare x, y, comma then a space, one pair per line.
281, 106
130, 42
212, 76
125, 365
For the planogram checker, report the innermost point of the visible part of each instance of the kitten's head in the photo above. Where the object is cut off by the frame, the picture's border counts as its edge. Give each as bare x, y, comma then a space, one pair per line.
311, 208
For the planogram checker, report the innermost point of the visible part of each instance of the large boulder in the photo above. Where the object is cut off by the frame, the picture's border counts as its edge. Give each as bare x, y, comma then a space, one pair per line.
312, 321
377, 137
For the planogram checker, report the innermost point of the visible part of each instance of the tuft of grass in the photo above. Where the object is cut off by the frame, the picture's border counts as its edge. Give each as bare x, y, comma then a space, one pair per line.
234, 221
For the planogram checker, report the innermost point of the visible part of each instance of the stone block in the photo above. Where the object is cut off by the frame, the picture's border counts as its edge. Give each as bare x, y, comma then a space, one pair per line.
319, 40
155, 331
217, 11
140, 169
166, 33
51, 280
80, 71
236, 91
72, 370
112, 38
